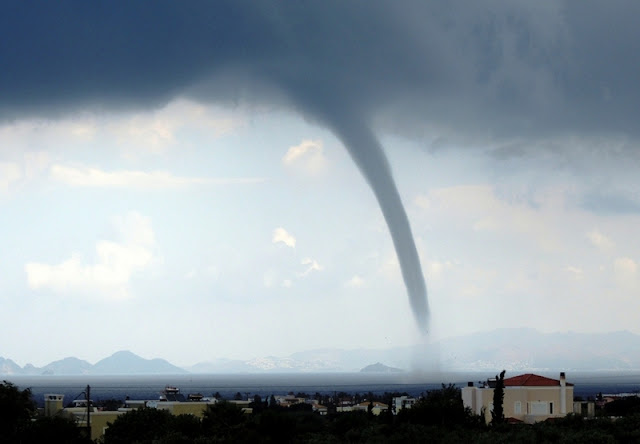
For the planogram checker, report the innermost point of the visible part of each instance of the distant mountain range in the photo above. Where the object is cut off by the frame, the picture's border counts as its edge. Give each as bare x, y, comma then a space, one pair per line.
120, 363
520, 349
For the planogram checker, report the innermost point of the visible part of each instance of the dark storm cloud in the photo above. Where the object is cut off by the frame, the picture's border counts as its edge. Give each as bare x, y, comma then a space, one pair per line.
487, 68
494, 69
611, 202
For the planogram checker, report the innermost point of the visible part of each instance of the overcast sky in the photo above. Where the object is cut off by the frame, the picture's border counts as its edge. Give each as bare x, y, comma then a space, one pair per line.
178, 180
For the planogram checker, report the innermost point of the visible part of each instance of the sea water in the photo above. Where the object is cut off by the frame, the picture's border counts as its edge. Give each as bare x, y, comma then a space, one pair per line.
149, 387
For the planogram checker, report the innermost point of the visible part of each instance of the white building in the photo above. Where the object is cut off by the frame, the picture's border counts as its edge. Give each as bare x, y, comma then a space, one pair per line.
402, 402
528, 398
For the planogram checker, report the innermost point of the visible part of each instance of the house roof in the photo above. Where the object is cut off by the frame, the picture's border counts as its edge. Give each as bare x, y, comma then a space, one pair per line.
531, 380
375, 404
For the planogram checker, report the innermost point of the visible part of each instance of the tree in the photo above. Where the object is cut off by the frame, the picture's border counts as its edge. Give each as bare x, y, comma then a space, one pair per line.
16, 410
257, 405
52, 429
626, 406
442, 407
140, 425
186, 427
223, 420
497, 414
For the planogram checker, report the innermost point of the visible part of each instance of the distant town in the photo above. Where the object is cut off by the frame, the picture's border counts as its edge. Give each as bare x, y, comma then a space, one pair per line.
514, 406
333, 395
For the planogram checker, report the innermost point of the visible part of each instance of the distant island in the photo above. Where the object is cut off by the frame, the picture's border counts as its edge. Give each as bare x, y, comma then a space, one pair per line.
379, 367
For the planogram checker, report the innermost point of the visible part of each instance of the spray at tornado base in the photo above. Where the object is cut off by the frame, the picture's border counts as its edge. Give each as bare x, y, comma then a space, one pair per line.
493, 74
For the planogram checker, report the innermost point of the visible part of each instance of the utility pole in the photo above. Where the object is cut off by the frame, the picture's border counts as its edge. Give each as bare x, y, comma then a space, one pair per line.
88, 393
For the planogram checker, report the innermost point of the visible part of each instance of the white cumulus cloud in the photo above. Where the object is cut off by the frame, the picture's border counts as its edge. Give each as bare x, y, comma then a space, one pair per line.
307, 156
626, 275
483, 209
355, 282
626, 266
84, 176
10, 173
281, 235
599, 240
115, 264
576, 272
435, 269
155, 132
312, 265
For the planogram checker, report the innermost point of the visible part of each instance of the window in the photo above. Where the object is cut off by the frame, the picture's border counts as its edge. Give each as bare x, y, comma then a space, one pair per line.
551, 408
517, 408
539, 408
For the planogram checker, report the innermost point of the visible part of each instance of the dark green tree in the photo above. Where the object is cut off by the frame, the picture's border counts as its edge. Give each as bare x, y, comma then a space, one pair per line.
16, 410
144, 425
497, 414
623, 407
54, 429
300, 407
442, 407
388, 417
276, 425
348, 426
223, 420
257, 405
186, 427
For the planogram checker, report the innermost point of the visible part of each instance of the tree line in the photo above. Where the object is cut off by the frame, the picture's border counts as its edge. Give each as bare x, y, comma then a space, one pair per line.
438, 416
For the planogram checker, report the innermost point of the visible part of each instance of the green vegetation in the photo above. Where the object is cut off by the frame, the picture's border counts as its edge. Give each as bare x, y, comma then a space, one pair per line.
497, 414
438, 416
20, 423
16, 410
153, 425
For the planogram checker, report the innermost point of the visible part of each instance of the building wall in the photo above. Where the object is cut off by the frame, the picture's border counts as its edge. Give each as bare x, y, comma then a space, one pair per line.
100, 421
377, 409
402, 402
534, 402
53, 403
185, 408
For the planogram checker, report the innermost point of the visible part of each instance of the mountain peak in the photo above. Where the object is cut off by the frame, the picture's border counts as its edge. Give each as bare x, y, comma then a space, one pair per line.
126, 362
379, 367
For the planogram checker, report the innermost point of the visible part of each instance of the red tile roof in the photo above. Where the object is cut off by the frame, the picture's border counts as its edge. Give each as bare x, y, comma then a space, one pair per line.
531, 380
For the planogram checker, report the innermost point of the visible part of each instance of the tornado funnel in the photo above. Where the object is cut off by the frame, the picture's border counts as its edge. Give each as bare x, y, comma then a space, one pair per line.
367, 152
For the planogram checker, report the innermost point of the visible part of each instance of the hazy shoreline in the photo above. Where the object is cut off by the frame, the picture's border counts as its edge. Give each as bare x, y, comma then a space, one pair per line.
149, 386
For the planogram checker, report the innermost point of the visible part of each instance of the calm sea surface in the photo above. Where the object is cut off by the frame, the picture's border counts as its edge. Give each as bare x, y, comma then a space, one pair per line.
149, 387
